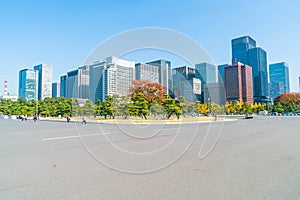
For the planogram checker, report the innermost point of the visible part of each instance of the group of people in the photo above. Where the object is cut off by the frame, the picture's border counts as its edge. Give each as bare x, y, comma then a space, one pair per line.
35, 118
24, 118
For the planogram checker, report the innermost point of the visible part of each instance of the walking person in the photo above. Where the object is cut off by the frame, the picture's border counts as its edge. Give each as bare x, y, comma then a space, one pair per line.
84, 119
34, 118
68, 119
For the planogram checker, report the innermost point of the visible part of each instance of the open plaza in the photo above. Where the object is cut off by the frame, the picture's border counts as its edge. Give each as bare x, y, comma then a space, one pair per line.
255, 158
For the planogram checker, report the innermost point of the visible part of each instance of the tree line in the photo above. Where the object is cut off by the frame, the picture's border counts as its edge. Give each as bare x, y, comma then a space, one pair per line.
145, 99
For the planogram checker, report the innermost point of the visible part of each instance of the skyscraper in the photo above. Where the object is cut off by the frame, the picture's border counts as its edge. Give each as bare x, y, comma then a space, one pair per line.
55, 90
165, 74
63, 86
238, 83
257, 59
72, 84
244, 50
214, 93
97, 81
206, 72
279, 76
118, 76
28, 84
147, 72
185, 84
45, 80
84, 82
240, 47
78, 83
221, 72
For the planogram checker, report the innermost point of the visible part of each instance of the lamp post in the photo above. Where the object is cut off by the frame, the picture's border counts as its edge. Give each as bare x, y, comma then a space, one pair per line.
268, 104
36, 95
36, 108
208, 104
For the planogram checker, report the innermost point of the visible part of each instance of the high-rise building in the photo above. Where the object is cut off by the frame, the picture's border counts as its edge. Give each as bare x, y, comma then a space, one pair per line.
55, 90
244, 50
221, 73
78, 83
257, 59
206, 72
72, 84
276, 89
214, 93
97, 80
240, 47
84, 82
45, 80
118, 76
238, 83
63, 86
185, 84
165, 74
147, 72
279, 79
28, 84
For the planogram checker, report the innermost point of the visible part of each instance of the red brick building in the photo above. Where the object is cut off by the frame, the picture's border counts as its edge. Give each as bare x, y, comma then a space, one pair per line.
238, 82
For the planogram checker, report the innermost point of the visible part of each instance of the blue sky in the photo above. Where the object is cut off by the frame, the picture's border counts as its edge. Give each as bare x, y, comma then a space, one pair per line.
63, 33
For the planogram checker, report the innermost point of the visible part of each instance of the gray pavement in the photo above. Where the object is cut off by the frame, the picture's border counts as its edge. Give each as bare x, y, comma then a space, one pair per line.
243, 159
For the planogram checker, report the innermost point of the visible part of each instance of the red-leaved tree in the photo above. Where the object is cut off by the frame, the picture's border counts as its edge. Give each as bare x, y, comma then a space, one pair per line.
153, 92
288, 98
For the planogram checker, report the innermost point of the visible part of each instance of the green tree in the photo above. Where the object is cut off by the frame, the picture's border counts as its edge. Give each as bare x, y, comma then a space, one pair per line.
183, 105
278, 107
98, 107
107, 107
89, 108
123, 106
139, 106
171, 106
76, 110
246, 108
156, 109
64, 106
120, 105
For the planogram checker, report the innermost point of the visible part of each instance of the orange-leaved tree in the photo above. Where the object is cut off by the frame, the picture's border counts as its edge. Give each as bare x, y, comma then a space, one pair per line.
153, 92
288, 98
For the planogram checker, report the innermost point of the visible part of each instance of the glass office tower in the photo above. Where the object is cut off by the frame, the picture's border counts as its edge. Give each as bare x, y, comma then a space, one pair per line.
165, 74
244, 50
257, 59
55, 90
240, 47
96, 80
63, 86
28, 84
279, 79
185, 84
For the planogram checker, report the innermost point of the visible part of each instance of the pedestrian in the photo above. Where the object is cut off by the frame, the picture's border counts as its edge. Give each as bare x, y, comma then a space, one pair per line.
34, 118
84, 119
68, 119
